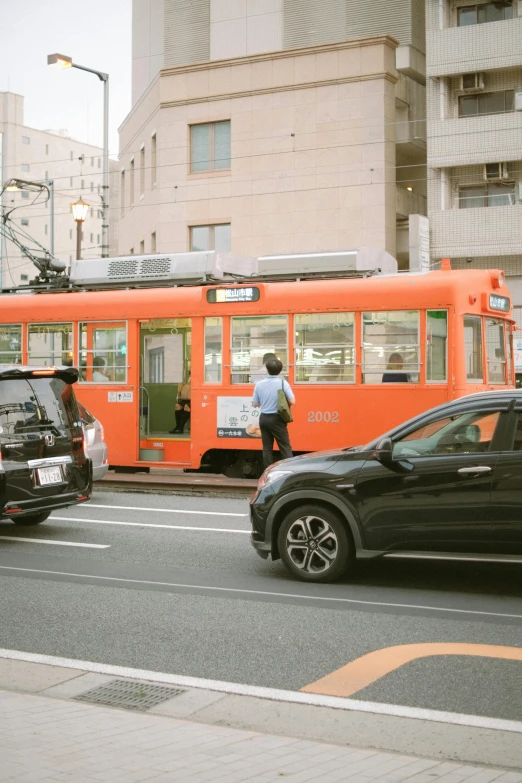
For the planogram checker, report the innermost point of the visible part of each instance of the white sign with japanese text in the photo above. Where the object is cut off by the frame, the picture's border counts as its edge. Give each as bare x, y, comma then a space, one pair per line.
236, 418
121, 396
517, 344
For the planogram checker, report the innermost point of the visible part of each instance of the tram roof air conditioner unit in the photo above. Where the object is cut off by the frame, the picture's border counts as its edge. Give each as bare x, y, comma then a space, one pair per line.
472, 81
347, 263
165, 269
495, 171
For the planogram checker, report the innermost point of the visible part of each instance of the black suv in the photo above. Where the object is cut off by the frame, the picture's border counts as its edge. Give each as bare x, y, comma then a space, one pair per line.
446, 484
42, 460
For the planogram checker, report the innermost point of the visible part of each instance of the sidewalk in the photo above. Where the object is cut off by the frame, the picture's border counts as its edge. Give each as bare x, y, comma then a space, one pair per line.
44, 741
47, 735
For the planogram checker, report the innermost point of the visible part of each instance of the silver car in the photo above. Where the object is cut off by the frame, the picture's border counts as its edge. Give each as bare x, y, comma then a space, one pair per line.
95, 446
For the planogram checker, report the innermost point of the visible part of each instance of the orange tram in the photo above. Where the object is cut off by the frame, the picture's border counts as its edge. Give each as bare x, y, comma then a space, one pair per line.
361, 354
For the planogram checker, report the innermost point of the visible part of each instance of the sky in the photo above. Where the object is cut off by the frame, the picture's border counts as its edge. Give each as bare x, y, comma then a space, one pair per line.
96, 34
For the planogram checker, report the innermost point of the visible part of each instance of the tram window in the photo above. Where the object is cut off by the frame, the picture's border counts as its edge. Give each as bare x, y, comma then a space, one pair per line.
473, 348
391, 346
103, 352
11, 344
213, 350
325, 348
251, 338
50, 344
436, 346
509, 346
495, 351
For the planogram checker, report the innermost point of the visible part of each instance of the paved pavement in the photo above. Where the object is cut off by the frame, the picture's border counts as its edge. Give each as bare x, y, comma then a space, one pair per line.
48, 736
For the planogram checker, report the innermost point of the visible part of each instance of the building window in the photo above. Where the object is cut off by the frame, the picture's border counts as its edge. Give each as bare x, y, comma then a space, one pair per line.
210, 146
46, 149
485, 12
46, 175
92, 161
486, 103
99, 189
25, 194
122, 193
131, 184
131, 251
98, 238
70, 233
70, 182
46, 229
99, 163
153, 242
92, 187
82, 184
142, 171
153, 160
26, 140
325, 348
25, 167
91, 238
210, 238
72, 155
491, 194
24, 222
24, 278
142, 247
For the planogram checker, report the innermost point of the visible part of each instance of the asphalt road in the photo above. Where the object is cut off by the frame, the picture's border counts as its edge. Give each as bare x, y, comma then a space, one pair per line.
171, 584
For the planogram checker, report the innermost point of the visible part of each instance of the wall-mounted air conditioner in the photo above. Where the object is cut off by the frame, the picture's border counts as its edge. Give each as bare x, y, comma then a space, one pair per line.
495, 171
470, 82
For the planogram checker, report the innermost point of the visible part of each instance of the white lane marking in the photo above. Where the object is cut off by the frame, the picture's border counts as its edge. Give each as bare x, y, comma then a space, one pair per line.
146, 524
211, 588
170, 510
273, 694
55, 543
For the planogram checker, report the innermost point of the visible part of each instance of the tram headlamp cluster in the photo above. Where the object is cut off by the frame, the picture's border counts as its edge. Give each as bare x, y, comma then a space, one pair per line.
498, 279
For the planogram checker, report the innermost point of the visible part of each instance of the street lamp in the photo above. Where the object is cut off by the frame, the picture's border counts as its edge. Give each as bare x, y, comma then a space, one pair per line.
66, 62
80, 209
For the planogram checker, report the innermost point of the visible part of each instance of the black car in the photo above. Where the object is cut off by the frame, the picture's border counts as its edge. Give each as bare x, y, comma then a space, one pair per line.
446, 484
42, 460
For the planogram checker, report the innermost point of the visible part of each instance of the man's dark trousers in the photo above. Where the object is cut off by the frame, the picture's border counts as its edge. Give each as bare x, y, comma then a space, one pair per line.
272, 426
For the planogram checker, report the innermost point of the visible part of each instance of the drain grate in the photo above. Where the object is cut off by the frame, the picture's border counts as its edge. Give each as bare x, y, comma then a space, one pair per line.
130, 695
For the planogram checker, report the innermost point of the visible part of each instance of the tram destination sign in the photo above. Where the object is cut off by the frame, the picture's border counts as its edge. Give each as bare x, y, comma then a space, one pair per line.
218, 295
501, 303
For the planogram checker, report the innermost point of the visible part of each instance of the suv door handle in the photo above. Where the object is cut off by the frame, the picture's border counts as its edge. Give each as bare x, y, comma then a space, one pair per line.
476, 469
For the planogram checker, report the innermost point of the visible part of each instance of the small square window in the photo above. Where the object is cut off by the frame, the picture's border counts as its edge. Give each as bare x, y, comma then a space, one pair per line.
25, 194
24, 278
26, 140
25, 167
210, 147
24, 222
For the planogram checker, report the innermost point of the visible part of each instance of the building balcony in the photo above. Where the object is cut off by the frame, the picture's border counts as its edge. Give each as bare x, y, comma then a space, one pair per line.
409, 203
478, 47
464, 141
487, 231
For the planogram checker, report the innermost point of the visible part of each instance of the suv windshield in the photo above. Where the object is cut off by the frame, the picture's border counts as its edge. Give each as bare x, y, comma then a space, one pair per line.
36, 404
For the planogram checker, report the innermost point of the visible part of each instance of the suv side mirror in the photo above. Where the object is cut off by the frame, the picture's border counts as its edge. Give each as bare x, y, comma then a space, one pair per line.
384, 453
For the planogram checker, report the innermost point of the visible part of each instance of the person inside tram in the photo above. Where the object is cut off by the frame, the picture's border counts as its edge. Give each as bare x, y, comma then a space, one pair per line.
393, 372
182, 409
98, 367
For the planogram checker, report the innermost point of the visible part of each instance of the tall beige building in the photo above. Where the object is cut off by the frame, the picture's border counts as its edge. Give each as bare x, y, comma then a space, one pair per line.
274, 126
474, 109
75, 169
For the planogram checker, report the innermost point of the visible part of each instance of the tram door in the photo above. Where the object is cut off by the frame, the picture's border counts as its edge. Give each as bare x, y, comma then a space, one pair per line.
165, 351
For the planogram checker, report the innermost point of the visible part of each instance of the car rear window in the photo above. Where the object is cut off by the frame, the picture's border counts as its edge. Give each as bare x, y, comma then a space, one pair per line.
35, 404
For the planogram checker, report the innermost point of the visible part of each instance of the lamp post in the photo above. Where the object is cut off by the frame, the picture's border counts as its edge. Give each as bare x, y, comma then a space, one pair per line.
66, 62
80, 209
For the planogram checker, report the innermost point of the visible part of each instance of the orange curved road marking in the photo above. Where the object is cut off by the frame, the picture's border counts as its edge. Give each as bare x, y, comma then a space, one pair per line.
368, 668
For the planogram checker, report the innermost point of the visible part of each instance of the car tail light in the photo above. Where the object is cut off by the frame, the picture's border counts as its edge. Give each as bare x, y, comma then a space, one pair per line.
102, 431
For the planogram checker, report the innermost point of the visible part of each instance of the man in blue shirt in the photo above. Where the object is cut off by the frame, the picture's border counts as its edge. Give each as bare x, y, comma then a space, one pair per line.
270, 422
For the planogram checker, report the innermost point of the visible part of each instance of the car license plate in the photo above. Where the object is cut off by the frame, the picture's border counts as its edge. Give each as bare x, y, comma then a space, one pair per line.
49, 475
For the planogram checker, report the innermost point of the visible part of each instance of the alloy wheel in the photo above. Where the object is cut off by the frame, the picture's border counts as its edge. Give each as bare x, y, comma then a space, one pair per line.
311, 544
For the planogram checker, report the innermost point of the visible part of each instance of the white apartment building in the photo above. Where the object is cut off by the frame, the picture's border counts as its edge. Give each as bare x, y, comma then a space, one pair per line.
274, 126
474, 110
73, 167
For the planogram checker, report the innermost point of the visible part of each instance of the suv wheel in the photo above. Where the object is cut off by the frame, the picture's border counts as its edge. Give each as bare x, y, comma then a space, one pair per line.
314, 544
33, 519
